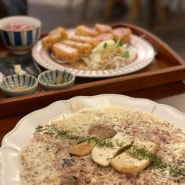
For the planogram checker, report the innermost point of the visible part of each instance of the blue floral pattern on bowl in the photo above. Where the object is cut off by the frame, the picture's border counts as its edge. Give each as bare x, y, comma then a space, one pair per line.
56, 79
18, 85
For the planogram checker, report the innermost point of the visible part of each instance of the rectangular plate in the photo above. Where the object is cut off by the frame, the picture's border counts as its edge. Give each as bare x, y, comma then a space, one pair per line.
26, 63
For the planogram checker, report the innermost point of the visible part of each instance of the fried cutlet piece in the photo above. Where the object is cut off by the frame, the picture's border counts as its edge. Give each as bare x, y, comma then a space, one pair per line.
54, 36
123, 34
85, 39
59, 31
84, 49
104, 36
85, 31
103, 28
64, 52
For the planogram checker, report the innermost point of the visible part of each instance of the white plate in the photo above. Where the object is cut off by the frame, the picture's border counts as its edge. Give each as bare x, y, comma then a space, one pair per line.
24, 129
144, 51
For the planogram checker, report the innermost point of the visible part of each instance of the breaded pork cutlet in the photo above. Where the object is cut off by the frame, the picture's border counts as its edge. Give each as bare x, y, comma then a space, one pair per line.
85, 31
85, 39
104, 36
84, 49
64, 52
54, 36
103, 28
123, 34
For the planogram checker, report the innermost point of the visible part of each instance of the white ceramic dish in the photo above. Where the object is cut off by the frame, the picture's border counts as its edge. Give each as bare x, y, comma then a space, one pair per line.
144, 51
24, 129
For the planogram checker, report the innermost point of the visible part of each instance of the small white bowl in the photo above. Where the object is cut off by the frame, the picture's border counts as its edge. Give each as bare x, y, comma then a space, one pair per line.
20, 33
56, 79
18, 85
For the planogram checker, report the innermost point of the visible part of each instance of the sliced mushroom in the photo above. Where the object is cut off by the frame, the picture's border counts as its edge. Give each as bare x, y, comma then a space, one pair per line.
101, 131
103, 155
67, 162
125, 163
82, 148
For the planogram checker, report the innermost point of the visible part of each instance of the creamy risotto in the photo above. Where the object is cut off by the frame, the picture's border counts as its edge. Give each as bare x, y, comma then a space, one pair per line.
72, 149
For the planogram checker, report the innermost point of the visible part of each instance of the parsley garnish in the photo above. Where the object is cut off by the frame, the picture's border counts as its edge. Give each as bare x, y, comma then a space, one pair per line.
51, 130
141, 153
125, 54
105, 45
119, 43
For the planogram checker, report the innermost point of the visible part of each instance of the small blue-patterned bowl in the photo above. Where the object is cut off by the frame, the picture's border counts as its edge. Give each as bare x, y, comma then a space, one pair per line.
56, 79
20, 33
18, 85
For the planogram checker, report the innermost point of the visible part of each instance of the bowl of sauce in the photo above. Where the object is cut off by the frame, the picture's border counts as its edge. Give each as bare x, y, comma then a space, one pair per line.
56, 79
19, 85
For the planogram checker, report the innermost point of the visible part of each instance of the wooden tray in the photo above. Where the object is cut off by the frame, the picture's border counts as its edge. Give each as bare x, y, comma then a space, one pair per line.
168, 67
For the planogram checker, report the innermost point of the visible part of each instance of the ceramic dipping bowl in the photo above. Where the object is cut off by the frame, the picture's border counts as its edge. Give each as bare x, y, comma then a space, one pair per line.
18, 85
56, 79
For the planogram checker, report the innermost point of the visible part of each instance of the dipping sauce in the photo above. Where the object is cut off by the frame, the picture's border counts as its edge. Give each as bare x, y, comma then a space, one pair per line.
18, 26
60, 80
19, 88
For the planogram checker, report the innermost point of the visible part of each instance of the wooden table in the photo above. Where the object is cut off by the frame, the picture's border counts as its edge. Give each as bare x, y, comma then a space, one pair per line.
161, 79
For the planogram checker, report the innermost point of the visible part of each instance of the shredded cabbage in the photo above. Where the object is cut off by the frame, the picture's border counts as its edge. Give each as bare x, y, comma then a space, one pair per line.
109, 55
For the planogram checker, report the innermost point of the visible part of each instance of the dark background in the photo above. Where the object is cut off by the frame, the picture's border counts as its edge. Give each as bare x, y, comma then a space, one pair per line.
61, 13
